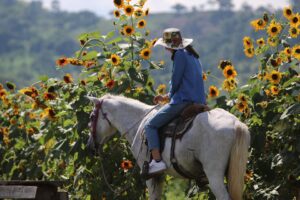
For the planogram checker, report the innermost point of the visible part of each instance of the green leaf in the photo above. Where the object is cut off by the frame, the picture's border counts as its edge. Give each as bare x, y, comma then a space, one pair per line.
293, 80
116, 40
90, 55
108, 35
292, 110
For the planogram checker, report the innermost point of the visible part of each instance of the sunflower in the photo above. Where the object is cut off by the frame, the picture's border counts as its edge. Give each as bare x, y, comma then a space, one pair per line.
247, 42
229, 84
119, 3
141, 23
241, 106
266, 17
274, 29
243, 99
75, 61
145, 53
138, 13
48, 113
146, 13
49, 96
295, 20
249, 52
229, 72
260, 42
153, 42
115, 59
274, 90
267, 92
258, 24
204, 76
126, 165
128, 30
287, 51
294, 32
213, 91
2, 93
247, 111
110, 84
224, 63
161, 89
62, 61
142, 2
30, 91
273, 41
287, 12
128, 9
296, 52
68, 78
117, 13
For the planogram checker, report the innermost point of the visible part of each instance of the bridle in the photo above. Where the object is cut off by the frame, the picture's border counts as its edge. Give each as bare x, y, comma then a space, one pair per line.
94, 119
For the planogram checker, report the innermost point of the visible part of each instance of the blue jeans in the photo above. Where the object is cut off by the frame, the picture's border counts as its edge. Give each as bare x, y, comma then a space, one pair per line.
161, 118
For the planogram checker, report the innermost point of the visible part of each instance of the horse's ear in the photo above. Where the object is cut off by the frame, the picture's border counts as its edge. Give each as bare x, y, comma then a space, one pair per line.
93, 99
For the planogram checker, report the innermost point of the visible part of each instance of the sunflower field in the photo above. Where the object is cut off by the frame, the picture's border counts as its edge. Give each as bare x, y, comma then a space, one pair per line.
44, 127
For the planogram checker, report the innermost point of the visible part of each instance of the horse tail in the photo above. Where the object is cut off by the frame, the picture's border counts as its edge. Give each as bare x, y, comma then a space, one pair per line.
238, 161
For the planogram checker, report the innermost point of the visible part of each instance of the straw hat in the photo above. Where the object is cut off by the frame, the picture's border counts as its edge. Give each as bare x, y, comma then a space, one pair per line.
172, 39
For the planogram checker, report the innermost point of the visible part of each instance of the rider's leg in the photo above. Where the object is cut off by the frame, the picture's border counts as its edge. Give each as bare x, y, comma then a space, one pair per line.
162, 117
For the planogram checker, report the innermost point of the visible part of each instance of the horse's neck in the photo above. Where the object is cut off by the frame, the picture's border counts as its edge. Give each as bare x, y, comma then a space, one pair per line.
127, 116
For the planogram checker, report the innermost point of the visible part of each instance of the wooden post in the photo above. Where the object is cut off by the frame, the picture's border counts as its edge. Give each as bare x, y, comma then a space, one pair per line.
38, 190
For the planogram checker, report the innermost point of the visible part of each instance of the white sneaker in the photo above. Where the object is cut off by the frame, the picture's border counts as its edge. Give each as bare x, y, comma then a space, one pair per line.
156, 167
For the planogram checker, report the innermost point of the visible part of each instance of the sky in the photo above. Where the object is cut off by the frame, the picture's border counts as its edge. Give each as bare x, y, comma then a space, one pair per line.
103, 7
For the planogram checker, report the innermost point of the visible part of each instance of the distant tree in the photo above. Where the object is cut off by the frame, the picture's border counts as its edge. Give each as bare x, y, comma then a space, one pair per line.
212, 3
295, 4
179, 8
55, 5
225, 5
246, 7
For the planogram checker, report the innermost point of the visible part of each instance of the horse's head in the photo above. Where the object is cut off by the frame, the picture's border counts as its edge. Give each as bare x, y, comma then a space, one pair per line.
101, 127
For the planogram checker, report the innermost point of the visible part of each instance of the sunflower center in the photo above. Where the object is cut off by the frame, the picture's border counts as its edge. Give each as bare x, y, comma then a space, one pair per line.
274, 29
295, 20
114, 59
260, 22
213, 92
128, 30
118, 2
297, 51
141, 23
294, 31
274, 76
146, 53
229, 72
128, 10
126, 164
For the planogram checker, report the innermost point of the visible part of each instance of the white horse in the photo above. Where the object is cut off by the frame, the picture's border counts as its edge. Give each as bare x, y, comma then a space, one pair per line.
216, 139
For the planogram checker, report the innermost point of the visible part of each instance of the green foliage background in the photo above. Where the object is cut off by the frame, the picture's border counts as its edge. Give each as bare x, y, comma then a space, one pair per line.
44, 127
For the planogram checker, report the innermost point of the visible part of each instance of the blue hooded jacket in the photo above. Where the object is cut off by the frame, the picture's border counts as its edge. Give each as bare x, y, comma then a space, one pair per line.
186, 83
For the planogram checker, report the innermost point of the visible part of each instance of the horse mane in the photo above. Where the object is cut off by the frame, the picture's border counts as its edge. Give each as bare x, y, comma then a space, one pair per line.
121, 98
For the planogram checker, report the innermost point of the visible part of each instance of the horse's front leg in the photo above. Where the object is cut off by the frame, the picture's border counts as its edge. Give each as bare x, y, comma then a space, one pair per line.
155, 187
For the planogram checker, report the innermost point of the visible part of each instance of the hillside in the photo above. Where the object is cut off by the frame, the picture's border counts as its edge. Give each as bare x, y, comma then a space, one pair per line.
34, 38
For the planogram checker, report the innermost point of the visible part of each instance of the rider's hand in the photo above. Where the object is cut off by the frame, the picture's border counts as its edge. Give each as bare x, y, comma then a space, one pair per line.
158, 98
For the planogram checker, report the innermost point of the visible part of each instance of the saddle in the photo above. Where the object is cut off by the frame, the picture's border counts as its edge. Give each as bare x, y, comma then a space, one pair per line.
181, 124
176, 129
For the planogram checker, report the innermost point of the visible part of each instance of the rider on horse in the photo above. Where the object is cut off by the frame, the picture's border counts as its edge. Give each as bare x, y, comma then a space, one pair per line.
186, 87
